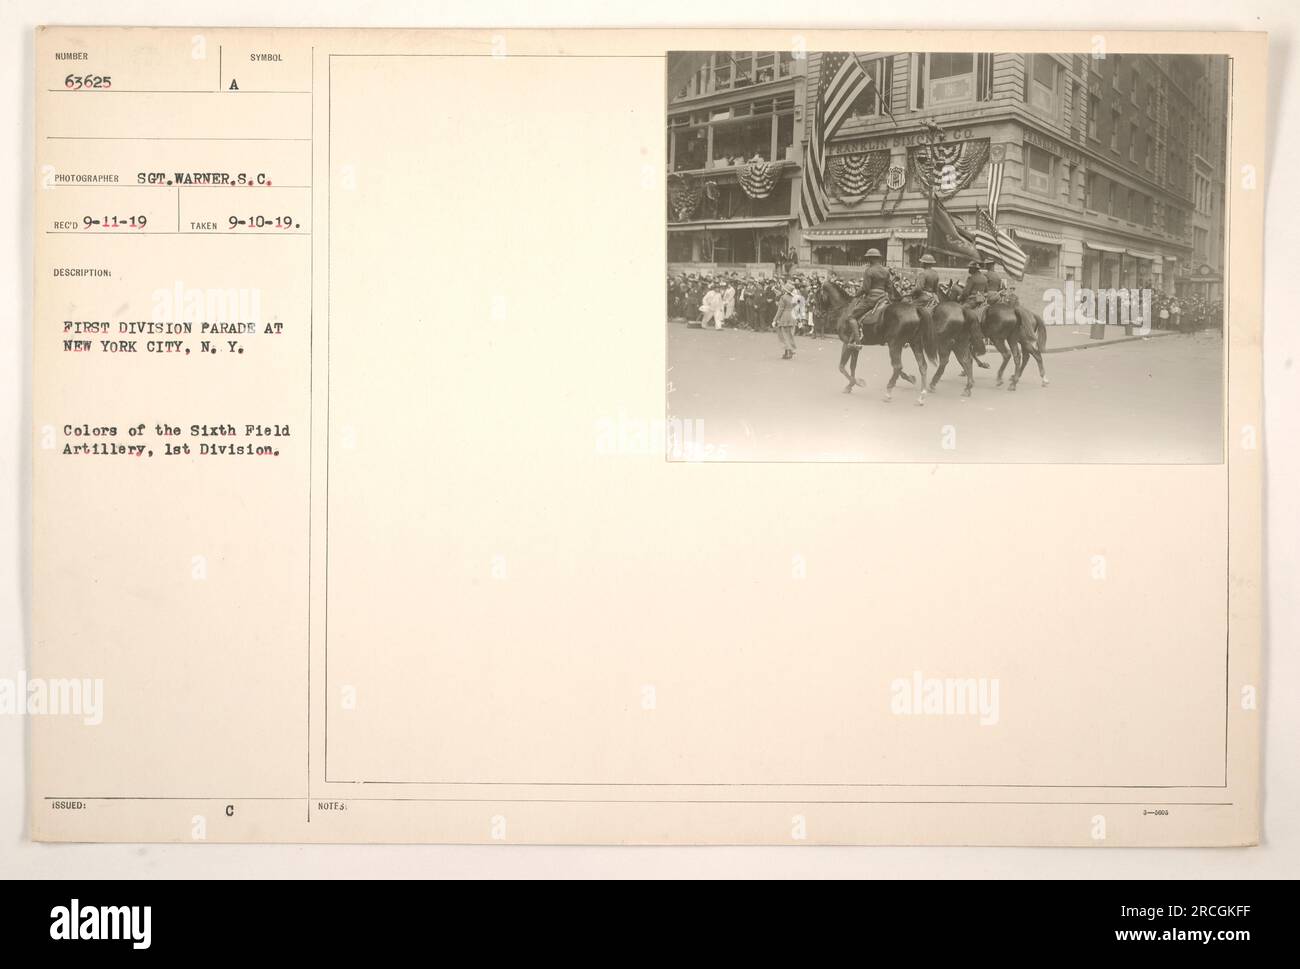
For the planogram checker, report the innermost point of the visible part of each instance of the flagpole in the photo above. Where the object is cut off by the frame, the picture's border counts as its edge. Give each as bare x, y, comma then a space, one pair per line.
929, 182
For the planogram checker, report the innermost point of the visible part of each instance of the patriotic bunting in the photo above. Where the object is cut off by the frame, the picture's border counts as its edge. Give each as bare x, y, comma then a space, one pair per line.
946, 169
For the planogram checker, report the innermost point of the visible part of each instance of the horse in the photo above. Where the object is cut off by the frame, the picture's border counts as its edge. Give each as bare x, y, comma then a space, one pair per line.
902, 324
952, 325
1017, 333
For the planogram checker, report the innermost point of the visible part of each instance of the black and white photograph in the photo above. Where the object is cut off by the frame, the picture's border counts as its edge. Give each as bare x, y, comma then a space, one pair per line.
946, 256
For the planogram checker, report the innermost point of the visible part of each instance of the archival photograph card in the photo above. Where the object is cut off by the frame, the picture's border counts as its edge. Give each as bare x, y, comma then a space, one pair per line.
619, 437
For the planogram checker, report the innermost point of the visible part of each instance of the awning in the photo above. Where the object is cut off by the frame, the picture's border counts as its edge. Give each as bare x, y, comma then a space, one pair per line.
844, 235
1038, 235
1138, 254
1098, 247
911, 232
732, 224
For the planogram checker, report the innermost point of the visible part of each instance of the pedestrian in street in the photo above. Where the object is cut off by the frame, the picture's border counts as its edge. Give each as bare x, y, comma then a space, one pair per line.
785, 322
711, 308
800, 309
729, 303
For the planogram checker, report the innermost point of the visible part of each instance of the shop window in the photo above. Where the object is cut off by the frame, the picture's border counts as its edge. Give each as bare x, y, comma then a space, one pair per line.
942, 260
679, 247
1043, 259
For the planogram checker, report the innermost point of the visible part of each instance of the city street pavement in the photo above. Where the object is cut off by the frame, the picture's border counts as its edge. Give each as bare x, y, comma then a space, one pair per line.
1156, 400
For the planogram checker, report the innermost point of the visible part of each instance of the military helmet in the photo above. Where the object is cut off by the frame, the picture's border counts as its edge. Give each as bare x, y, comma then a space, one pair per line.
974, 264
927, 260
874, 253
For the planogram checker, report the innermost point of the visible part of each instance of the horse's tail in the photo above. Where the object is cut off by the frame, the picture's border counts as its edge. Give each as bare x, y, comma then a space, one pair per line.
1028, 325
929, 335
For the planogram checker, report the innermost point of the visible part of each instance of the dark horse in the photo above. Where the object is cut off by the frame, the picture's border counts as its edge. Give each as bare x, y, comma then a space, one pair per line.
952, 324
1017, 333
901, 325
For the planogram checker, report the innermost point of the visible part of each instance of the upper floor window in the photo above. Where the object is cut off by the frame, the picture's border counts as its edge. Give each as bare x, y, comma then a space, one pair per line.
1039, 168
1114, 130
758, 130
731, 70
881, 72
1042, 83
1094, 111
950, 78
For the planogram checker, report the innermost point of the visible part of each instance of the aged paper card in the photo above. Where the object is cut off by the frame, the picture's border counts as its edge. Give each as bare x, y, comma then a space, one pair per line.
471, 437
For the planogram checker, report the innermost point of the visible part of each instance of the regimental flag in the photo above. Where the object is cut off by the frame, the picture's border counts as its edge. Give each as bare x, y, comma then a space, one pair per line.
842, 81
994, 243
947, 236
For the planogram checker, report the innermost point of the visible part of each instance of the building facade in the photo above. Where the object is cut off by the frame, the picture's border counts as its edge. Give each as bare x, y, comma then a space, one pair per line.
1113, 167
735, 144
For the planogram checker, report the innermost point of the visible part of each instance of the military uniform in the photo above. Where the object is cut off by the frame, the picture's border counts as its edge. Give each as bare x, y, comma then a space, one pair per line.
975, 292
926, 290
974, 296
876, 284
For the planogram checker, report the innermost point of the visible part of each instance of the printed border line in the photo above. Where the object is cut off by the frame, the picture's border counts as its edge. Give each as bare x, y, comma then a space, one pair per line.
1225, 464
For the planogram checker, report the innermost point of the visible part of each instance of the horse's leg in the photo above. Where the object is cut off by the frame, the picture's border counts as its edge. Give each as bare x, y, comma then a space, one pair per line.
919, 353
965, 358
902, 340
896, 360
1038, 359
1001, 345
845, 353
1022, 360
944, 354
975, 347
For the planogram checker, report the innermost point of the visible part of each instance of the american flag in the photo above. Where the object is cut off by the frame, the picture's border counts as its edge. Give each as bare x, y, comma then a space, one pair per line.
995, 185
842, 81
997, 244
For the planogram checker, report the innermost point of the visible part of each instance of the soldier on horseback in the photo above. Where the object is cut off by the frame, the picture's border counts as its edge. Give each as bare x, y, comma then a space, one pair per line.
974, 296
993, 281
926, 291
877, 291
876, 284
